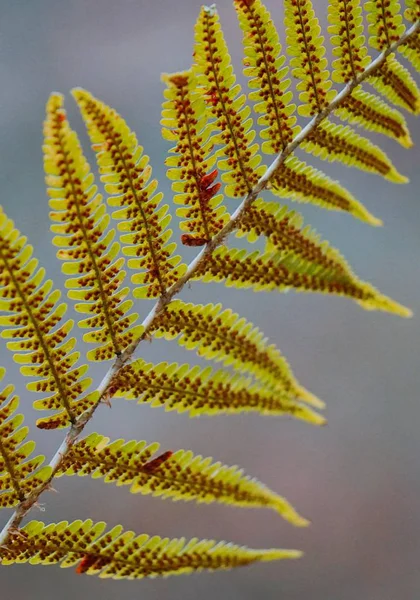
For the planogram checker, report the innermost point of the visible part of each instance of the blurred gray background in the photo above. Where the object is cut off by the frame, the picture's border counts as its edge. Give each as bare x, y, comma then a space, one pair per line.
358, 479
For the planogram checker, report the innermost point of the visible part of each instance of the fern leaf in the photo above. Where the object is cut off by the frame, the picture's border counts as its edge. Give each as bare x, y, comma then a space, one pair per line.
18, 476
184, 118
37, 335
223, 336
396, 84
362, 108
285, 232
385, 23
372, 113
265, 66
411, 48
334, 142
126, 174
308, 62
227, 106
204, 392
412, 11
348, 40
89, 251
274, 271
120, 554
179, 475
296, 180
393, 80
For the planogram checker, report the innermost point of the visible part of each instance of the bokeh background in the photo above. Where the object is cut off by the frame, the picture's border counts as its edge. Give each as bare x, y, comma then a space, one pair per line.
358, 478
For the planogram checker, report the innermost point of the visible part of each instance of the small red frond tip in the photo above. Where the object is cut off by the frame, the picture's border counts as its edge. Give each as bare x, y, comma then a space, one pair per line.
190, 240
208, 179
86, 562
210, 192
154, 464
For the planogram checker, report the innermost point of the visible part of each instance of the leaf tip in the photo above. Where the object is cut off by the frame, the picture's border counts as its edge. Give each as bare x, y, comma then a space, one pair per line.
288, 512
78, 93
178, 79
398, 309
406, 141
364, 215
309, 398
375, 221
279, 554
210, 10
396, 177
55, 98
386, 304
294, 518
405, 312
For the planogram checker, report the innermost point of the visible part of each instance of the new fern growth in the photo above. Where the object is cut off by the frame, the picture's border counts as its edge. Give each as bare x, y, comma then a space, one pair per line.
118, 248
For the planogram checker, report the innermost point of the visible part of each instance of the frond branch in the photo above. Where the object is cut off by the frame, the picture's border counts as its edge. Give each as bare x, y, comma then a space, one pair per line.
9, 267
193, 268
120, 554
179, 475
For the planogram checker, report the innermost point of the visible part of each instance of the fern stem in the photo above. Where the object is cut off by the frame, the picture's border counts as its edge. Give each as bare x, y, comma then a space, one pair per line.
195, 265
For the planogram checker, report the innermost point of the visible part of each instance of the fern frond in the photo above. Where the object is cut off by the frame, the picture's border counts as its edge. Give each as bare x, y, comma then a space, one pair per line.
305, 45
179, 475
411, 48
396, 84
265, 66
299, 181
192, 171
285, 232
393, 80
223, 336
227, 106
275, 271
362, 108
89, 251
37, 335
126, 174
385, 23
372, 113
334, 142
120, 554
18, 476
348, 40
412, 11
204, 392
